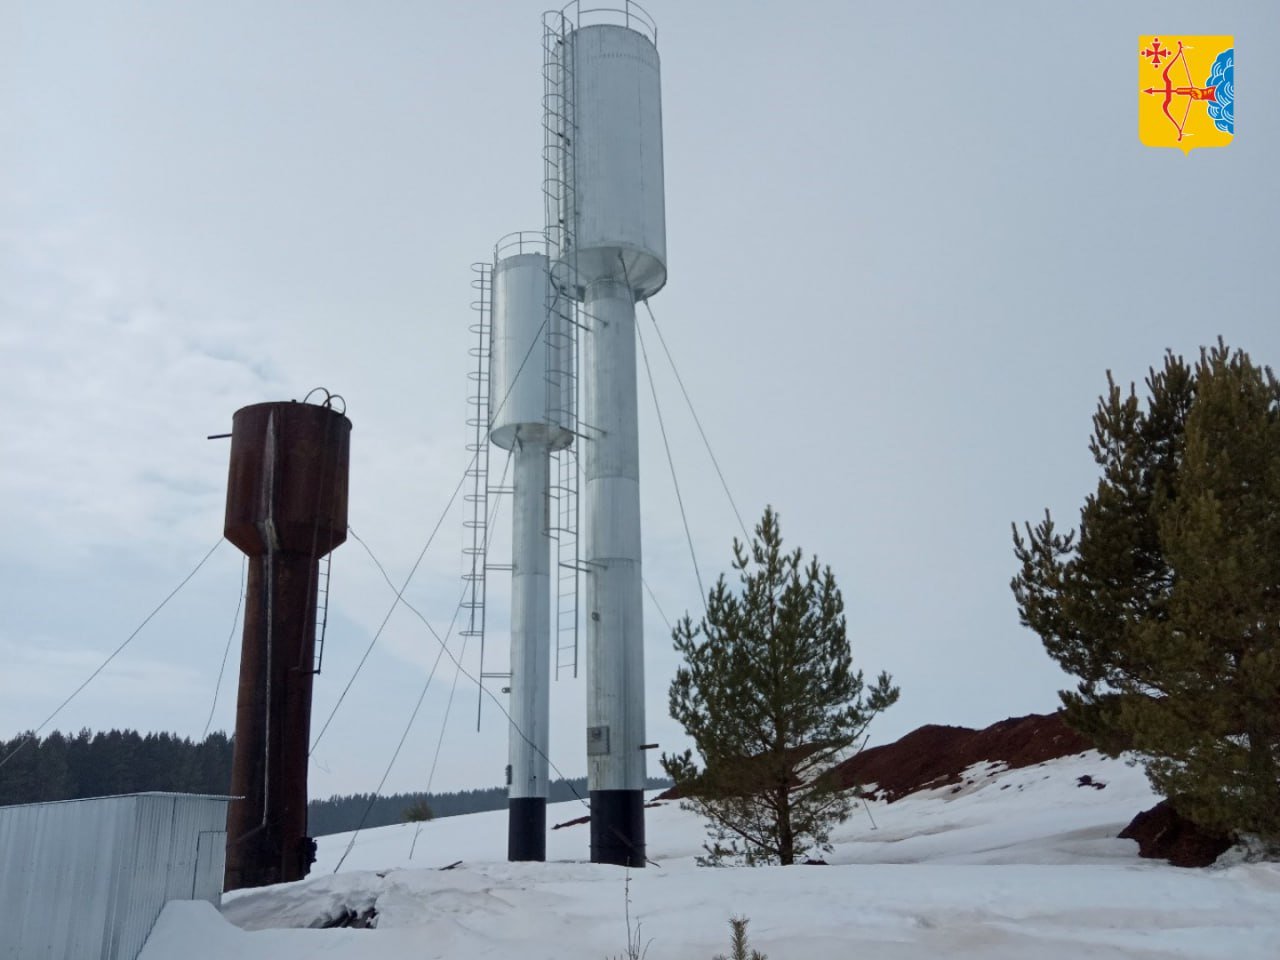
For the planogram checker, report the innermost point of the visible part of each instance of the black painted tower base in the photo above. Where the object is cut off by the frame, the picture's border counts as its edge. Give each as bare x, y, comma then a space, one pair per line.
526, 828
617, 827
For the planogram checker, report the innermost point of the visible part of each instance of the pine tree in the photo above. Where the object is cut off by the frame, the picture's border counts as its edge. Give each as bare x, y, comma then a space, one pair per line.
53, 773
739, 945
768, 694
1167, 606
417, 812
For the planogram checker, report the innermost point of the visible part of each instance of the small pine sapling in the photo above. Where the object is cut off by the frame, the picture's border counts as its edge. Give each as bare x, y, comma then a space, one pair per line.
739, 942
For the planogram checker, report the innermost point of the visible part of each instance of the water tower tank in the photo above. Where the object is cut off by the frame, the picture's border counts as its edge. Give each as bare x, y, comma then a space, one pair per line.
287, 484
531, 359
616, 174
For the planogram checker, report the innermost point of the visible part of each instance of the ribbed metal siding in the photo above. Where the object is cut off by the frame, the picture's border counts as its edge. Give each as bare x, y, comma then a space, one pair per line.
521, 374
86, 879
618, 178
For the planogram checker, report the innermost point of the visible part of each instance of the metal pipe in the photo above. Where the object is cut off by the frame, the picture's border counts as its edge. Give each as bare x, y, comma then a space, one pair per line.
271, 540
614, 624
530, 654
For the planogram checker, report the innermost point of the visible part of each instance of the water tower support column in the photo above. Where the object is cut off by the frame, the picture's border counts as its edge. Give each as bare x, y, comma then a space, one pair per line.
530, 655
267, 817
614, 624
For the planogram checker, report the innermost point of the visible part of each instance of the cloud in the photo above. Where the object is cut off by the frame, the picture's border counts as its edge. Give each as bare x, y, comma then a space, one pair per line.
1223, 77
110, 400
42, 671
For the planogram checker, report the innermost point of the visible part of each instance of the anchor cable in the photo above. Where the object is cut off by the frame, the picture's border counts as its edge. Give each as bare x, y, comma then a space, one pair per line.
537, 338
702, 433
392, 609
684, 518
235, 619
422, 694
114, 653
444, 649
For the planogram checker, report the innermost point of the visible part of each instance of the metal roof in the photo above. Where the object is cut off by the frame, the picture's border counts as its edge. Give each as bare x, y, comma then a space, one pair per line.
86, 879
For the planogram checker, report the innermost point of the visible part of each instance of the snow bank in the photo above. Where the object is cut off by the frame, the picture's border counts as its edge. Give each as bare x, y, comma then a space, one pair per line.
1005, 864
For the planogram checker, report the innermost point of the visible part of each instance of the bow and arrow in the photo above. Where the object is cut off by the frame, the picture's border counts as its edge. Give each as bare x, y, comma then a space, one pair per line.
1191, 91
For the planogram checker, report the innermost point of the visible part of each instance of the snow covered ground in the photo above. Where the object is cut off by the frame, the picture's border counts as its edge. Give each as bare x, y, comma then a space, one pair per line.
1013, 864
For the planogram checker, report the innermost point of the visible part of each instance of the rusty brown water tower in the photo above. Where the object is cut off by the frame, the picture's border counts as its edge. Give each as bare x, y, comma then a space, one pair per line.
286, 509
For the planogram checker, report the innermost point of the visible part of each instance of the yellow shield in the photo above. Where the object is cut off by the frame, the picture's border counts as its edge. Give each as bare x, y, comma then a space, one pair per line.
1186, 91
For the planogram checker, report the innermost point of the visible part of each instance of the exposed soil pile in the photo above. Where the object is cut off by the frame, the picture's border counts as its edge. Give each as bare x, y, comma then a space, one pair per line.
1163, 834
934, 756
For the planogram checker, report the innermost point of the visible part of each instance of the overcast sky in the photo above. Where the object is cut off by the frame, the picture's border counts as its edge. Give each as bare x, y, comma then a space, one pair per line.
906, 242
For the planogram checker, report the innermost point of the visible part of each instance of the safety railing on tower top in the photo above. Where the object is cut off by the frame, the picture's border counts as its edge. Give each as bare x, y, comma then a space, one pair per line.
628, 14
520, 241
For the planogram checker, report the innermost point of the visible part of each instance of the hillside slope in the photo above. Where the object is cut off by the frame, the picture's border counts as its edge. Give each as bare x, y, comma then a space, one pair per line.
1003, 864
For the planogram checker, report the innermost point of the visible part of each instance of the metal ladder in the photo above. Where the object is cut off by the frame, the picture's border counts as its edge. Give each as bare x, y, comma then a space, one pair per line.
476, 523
323, 568
563, 512
560, 210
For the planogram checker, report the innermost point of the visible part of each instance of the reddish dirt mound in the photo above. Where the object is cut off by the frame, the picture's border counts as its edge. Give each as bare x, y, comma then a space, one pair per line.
1163, 834
934, 756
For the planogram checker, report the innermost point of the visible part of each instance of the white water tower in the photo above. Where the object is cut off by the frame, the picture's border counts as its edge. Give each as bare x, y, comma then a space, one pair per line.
606, 220
530, 404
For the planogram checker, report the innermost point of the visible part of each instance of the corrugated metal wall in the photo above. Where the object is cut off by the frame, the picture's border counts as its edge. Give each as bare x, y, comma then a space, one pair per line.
85, 879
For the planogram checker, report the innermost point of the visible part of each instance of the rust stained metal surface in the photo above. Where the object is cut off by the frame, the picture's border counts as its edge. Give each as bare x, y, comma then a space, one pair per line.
286, 508
289, 469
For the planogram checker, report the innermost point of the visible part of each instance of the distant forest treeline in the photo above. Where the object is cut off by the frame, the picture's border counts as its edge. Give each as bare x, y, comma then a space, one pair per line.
61, 767
340, 814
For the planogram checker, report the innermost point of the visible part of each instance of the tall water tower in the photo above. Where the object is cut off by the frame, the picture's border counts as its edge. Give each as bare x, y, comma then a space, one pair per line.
286, 509
531, 407
606, 220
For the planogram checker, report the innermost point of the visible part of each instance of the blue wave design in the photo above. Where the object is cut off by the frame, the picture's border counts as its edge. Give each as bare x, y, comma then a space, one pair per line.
1223, 76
